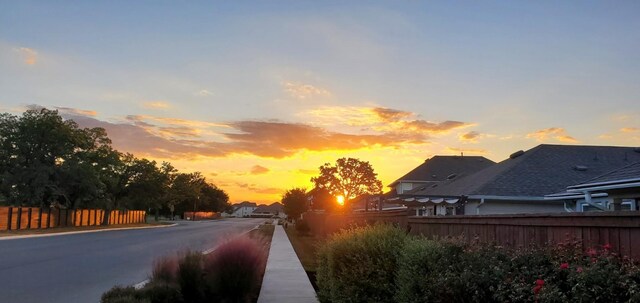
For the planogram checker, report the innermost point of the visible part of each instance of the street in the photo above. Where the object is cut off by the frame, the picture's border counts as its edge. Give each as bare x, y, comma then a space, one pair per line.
80, 267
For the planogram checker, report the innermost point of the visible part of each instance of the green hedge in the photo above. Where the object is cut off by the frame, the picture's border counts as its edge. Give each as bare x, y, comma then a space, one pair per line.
380, 264
358, 265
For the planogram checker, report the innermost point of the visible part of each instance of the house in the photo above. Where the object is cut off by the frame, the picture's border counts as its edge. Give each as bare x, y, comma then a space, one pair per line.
273, 210
438, 169
243, 209
616, 190
521, 183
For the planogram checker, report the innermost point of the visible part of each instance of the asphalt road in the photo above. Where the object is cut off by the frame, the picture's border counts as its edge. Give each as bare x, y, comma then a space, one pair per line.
79, 268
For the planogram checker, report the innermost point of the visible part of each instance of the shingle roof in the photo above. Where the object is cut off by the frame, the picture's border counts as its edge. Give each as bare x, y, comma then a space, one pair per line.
439, 168
273, 208
629, 172
542, 170
244, 204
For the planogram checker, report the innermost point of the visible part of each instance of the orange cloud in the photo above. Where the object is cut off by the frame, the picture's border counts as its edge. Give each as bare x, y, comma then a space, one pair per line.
75, 111
629, 129
471, 136
29, 55
175, 138
304, 91
556, 133
156, 105
258, 170
259, 190
391, 115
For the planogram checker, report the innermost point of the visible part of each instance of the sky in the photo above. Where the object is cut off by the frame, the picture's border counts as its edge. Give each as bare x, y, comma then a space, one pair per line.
257, 95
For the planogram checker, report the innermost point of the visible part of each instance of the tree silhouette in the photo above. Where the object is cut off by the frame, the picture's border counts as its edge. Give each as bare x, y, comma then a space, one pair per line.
349, 178
295, 202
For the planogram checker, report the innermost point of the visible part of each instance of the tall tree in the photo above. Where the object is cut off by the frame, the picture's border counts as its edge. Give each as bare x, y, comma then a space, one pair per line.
349, 178
295, 202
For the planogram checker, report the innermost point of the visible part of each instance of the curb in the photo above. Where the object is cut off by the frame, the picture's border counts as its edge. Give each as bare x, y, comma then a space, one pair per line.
204, 252
82, 232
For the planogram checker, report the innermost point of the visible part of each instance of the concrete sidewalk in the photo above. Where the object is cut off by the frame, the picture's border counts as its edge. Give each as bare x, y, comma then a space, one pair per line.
285, 279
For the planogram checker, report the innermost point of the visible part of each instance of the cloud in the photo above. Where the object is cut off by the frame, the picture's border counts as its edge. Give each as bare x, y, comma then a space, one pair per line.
156, 105
307, 171
304, 91
258, 170
29, 55
175, 138
629, 129
476, 151
471, 136
382, 119
203, 93
556, 133
255, 189
391, 115
75, 111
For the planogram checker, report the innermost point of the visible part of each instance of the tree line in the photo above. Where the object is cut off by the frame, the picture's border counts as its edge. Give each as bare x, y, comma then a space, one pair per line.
47, 161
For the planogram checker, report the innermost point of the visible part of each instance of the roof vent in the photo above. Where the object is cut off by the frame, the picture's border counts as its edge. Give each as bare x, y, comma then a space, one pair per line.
516, 154
435, 185
451, 176
434, 176
637, 149
580, 167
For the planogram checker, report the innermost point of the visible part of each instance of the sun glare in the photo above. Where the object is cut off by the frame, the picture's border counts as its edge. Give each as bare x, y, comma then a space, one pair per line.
340, 200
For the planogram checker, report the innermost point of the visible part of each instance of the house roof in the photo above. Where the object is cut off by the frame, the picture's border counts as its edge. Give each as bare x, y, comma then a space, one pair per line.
630, 172
272, 208
439, 168
244, 204
542, 170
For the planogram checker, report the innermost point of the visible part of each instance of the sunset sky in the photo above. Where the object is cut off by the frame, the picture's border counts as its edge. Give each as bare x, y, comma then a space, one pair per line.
257, 95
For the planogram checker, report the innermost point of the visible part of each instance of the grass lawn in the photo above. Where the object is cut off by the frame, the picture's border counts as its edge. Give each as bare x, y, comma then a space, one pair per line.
23, 232
305, 247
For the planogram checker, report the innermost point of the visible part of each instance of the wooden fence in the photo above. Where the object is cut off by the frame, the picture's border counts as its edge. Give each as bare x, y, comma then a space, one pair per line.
15, 218
201, 215
621, 230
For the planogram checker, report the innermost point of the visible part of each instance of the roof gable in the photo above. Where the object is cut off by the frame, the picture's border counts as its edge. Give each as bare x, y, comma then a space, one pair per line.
439, 168
539, 171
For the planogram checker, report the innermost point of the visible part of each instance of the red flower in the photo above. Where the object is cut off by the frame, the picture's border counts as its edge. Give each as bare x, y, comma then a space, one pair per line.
579, 269
564, 266
607, 246
538, 287
591, 252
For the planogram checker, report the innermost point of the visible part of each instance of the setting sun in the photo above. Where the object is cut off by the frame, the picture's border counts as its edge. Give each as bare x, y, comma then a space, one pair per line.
340, 200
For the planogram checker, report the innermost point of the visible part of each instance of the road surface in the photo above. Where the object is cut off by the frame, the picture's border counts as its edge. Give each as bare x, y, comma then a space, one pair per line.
80, 267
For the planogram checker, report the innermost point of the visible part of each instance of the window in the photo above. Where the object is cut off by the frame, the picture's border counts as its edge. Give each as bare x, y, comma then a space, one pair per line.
450, 211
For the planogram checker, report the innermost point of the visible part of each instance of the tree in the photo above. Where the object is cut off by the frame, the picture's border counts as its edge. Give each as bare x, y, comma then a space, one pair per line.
295, 202
349, 178
321, 198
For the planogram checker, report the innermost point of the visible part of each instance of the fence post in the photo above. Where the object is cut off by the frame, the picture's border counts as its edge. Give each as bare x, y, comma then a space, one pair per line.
81, 217
49, 217
29, 211
9, 217
39, 217
19, 219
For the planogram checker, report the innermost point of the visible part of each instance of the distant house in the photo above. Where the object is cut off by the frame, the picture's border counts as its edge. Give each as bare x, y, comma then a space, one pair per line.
616, 190
243, 209
275, 210
522, 183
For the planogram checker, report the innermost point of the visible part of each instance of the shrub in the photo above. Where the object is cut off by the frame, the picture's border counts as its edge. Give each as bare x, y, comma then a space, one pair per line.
191, 277
157, 292
234, 270
165, 270
302, 227
120, 294
436, 271
358, 265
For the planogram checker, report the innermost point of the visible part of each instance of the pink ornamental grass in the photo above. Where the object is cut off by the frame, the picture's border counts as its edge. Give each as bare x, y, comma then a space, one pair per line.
235, 268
